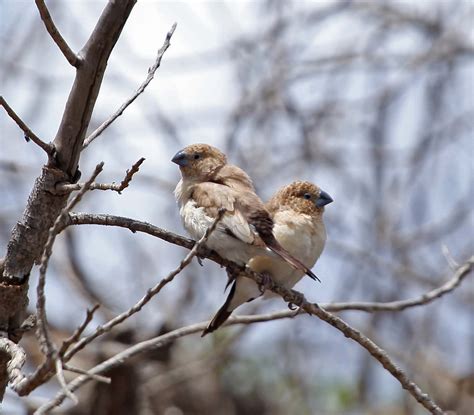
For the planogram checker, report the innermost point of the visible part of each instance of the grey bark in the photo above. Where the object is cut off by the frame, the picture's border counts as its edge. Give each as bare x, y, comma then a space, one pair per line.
44, 204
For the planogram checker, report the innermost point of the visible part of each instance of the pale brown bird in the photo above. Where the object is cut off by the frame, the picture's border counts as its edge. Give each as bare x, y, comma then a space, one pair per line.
297, 211
209, 184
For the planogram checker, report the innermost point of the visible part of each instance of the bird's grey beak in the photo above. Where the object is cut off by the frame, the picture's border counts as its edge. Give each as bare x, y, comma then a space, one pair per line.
323, 199
180, 158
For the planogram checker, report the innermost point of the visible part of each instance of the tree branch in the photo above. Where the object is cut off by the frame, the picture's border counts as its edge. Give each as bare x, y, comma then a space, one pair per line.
67, 187
47, 346
29, 135
43, 335
12, 359
140, 90
30, 234
292, 296
44, 372
160, 341
145, 227
197, 248
72, 58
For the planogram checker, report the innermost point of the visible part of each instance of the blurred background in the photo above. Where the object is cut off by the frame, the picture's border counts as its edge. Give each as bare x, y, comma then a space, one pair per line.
371, 100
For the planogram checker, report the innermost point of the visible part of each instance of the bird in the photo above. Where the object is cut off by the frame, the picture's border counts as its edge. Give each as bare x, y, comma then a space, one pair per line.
297, 211
209, 184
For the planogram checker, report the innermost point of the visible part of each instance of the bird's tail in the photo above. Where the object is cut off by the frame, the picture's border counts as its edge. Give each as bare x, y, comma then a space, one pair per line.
222, 314
275, 247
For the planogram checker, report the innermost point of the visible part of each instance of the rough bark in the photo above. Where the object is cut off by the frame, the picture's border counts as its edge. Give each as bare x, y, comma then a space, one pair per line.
44, 204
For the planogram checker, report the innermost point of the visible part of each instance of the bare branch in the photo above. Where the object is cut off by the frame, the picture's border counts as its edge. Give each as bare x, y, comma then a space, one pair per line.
13, 357
138, 226
98, 378
292, 296
123, 107
29, 135
377, 352
31, 232
167, 338
77, 333
430, 296
47, 346
72, 58
148, 296
43, 334
66, 187
62, 381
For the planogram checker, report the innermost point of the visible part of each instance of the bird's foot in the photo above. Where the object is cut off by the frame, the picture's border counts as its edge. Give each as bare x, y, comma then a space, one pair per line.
199, 260
296, 306
265, 282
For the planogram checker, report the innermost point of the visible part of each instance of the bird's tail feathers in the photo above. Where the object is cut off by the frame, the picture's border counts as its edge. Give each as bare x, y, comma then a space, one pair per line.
222, 314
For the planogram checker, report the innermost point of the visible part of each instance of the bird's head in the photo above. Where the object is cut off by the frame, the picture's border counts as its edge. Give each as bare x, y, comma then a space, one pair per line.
199, 162
302, 197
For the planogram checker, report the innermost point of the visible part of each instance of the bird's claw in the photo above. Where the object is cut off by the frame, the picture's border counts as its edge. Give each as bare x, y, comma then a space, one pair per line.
297, 305
265, 282
199, 260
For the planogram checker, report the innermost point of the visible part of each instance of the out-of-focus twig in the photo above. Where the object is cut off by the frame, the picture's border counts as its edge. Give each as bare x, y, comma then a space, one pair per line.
29, 135
151, 73
71, 57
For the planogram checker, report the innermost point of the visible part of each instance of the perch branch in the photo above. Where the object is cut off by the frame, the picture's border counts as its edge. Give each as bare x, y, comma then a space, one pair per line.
148, 296
292, 296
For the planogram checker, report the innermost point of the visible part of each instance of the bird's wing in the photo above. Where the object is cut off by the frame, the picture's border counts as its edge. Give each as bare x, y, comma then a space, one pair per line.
213, 196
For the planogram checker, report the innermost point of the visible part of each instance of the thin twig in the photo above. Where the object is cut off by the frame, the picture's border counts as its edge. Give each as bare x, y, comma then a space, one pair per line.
77, 333
149, 294
295, 297
123, 107
47, 346
460, 273
348, 331
139, 226
62, 381
92, 376
29, 135
378, 353
449, 258
72, 58
43, 333
66, 187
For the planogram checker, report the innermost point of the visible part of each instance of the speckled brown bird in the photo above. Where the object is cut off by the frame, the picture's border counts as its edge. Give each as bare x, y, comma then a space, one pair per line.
297, 210
208, 184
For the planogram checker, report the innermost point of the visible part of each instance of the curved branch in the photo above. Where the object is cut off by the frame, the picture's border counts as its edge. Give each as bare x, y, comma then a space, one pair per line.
145, 227
290, 296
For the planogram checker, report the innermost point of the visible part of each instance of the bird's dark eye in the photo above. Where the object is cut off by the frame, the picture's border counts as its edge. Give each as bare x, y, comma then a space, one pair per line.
196, 156
307, 196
